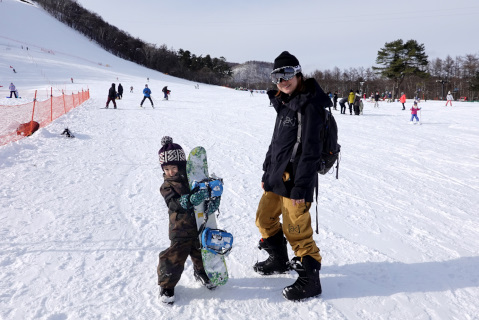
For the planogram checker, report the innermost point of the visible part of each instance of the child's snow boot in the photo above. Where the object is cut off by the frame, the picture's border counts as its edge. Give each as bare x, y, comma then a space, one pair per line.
202, 277
167, 295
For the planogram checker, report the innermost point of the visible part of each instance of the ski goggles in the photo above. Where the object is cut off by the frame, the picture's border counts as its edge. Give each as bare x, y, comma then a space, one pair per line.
284, 73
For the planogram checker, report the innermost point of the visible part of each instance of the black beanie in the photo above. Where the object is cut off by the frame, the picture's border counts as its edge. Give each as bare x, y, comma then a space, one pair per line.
285, 59
171, 153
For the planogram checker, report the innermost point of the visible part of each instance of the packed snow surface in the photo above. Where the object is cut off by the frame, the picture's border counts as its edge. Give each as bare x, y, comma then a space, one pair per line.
82, 221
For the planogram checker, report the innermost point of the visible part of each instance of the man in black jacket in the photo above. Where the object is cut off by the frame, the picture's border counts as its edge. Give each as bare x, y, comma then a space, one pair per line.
289, 182
111, 96
120, 91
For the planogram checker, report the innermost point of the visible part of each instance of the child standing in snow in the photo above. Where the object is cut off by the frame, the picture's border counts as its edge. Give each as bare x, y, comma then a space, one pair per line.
414, 110
449, 98
183, 232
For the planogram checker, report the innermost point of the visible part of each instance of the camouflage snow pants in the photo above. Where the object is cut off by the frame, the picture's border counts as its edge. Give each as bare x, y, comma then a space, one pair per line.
172, 261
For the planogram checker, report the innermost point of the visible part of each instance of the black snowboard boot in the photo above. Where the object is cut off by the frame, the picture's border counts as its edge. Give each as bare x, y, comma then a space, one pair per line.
277, 261
308, 284
202, 277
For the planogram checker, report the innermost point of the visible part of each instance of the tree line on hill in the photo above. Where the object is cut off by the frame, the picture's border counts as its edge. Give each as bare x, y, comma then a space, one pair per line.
402, 66
181, 63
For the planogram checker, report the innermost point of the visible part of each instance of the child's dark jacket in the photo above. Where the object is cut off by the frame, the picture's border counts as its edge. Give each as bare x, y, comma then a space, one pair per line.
182, 222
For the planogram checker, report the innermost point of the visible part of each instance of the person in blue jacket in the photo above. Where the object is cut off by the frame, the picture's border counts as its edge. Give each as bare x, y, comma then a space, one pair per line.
147, 95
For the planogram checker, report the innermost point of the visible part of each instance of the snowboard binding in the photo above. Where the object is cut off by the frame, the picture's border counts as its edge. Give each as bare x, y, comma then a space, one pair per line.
213, 185
217, 241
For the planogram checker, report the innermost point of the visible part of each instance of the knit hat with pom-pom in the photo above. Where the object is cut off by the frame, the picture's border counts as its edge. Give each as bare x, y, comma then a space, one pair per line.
171, 153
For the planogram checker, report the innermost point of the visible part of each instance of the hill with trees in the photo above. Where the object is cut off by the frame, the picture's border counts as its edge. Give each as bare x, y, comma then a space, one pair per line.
405, 67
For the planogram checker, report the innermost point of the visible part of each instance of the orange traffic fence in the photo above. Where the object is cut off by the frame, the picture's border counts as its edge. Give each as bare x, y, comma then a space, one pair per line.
14, 119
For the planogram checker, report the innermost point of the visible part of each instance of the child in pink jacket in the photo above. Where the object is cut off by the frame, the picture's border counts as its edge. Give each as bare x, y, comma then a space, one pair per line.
414, 110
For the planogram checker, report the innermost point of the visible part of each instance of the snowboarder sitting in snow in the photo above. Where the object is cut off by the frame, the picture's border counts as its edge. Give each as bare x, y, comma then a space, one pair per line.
414, 110
111, 96
183, 232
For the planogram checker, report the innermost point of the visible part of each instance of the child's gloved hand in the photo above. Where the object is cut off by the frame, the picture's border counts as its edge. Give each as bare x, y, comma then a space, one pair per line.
198, 197
185, 202
213, 205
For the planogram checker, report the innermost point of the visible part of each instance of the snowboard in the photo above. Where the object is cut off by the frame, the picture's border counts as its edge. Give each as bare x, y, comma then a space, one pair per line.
197, 171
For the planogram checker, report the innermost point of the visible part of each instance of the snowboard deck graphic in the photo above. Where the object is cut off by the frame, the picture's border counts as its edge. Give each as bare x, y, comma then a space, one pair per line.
214, 264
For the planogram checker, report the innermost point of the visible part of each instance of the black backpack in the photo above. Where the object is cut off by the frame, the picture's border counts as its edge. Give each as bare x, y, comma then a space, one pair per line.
331, 147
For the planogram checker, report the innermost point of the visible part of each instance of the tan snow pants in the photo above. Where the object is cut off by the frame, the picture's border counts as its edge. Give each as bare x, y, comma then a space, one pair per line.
296, 223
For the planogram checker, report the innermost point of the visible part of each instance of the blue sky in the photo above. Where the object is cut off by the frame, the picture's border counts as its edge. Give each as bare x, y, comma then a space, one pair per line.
321, 34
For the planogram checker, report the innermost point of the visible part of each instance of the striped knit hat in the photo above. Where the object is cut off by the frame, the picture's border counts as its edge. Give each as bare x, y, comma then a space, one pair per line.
171, 153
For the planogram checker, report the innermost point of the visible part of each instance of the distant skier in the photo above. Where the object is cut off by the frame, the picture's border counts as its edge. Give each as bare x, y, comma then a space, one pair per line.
183, 232
166, 92
376, 100
449, 98
71, 80
342, 103
403, 100
357, 103
13, 90
111, 96
120, 91
351, 98
335, 100
147, 95
414, 110
131, 89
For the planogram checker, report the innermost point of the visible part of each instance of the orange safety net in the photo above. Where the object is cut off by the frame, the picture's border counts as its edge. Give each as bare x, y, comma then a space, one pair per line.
43, 112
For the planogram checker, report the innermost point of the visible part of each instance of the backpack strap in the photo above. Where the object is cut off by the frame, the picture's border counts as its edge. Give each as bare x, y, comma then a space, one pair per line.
293, 155
316, 192
298, 139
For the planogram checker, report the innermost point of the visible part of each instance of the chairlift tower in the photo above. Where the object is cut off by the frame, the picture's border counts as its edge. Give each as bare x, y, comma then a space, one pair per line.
442, 82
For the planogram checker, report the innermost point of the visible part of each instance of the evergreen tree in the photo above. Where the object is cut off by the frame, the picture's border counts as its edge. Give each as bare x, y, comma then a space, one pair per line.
474, 83
402, 60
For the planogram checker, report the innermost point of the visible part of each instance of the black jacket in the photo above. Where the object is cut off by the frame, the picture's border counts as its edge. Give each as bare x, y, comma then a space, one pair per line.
112, 92
302, 170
